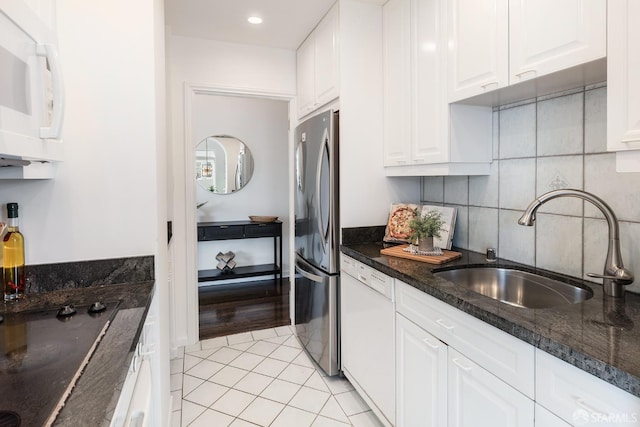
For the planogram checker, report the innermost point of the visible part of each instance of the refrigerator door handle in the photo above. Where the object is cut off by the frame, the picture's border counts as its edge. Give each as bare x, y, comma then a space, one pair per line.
300, 153
308, 275
324, 232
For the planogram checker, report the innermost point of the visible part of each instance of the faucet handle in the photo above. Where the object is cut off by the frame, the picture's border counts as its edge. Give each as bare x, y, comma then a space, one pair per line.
622, 276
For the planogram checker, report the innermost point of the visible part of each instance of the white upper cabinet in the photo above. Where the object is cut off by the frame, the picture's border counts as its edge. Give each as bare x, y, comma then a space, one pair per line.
327, 59
423, 135
305, 59
496, 44
430, 135
479, 47
318, 66
549, 35
396, 29
623, 85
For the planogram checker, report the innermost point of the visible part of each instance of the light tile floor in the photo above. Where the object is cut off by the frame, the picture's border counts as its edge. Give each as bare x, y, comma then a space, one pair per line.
260, 378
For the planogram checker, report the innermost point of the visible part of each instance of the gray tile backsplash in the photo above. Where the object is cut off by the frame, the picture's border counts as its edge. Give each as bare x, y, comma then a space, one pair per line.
559, 126
517, 183
556, 141
517, 131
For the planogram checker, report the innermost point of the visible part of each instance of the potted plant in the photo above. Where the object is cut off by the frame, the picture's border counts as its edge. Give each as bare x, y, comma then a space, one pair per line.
425, 228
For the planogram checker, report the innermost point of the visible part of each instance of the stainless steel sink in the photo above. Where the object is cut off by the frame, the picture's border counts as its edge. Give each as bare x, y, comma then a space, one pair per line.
515, 287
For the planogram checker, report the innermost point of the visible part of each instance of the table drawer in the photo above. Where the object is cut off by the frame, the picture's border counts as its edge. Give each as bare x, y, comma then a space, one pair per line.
261, 230
221, 232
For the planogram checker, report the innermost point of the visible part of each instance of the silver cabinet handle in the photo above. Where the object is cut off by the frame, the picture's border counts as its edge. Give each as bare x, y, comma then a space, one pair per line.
522, 73
430, 344
444, 325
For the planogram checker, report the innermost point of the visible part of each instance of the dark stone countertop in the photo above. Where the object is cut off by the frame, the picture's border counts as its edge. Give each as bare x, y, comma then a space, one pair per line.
600, 336
95, 394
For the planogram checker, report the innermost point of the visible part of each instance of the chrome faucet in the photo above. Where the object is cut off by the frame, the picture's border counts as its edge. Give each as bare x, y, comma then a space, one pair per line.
615, 276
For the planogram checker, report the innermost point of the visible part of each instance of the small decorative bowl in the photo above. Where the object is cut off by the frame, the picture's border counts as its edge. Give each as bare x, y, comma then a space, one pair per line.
263, 218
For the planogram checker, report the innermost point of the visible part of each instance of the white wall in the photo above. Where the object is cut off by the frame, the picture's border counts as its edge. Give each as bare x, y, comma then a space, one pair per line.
263, 125
216, 65
365, 193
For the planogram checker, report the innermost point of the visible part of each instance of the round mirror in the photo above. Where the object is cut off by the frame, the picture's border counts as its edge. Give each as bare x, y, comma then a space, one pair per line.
223, 164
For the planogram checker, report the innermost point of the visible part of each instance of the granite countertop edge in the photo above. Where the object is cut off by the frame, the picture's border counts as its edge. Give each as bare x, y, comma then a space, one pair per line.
510, 319
94, 397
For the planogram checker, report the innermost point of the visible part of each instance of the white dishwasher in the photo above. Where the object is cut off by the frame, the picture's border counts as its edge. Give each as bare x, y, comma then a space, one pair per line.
367, 335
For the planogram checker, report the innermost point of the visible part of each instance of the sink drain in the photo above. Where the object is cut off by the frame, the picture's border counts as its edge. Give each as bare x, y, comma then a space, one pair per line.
9, 419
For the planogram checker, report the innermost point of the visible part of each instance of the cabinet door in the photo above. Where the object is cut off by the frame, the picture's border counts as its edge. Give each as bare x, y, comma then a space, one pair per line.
430, 138
305, 59
421, 377
327, 58
623, 71
396, 27
550, 35
478, 47
476, 398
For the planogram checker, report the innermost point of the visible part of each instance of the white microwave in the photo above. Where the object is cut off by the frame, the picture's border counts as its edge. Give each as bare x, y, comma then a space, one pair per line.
31, 87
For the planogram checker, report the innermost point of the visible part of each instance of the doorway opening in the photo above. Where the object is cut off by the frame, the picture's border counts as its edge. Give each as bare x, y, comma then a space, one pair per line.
262, 124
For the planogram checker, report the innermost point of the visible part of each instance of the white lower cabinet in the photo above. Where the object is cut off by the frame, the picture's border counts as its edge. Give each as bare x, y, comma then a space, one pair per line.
479, 399
580, 398
455, 370
503, 355
452, 369
421, 372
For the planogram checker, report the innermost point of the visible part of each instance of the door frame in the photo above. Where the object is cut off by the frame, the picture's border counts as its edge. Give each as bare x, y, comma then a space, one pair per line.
190, 258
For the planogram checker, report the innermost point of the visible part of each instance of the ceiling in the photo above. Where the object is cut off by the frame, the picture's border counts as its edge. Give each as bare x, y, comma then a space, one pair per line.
286, 23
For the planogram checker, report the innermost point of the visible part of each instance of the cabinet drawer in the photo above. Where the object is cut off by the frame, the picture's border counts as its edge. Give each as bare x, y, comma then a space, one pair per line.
575, 395
505, 356
221, 232
261, 230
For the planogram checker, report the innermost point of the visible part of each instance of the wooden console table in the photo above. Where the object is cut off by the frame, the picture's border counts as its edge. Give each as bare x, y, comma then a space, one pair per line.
229, 230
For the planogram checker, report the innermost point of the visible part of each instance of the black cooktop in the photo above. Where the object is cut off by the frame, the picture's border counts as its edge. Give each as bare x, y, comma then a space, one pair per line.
41, 355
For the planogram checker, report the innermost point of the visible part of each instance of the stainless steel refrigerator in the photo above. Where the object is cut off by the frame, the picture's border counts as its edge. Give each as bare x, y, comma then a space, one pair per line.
317, 240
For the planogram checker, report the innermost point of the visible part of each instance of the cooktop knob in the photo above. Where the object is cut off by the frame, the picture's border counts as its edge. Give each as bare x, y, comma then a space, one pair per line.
97, 307
66, 311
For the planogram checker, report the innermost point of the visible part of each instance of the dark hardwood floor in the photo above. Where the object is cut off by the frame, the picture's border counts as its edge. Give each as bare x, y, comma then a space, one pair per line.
240, 307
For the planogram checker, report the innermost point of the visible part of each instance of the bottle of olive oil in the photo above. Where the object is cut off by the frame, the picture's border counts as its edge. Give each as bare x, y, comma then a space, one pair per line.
3, 231
13, 282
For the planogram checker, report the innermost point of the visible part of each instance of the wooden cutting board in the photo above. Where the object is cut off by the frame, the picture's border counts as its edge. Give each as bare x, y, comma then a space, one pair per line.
398, 251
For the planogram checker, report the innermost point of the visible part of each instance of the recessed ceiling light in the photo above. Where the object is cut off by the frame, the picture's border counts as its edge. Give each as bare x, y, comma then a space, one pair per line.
255, 20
